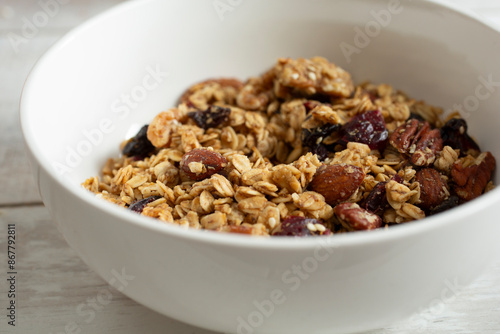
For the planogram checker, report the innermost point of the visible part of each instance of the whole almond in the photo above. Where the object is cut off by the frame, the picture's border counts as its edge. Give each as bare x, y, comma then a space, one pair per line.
433, 190
337, 182
200, 163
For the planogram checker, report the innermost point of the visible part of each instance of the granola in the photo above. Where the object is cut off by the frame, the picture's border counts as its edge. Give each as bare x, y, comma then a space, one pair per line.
297, 151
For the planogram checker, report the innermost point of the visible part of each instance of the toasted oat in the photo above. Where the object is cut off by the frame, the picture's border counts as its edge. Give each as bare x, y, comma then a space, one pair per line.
446, 159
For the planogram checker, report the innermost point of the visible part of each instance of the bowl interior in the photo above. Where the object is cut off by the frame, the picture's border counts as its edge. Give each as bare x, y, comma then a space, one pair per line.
105, 80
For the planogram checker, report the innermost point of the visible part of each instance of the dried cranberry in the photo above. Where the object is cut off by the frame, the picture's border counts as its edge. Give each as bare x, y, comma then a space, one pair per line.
139, 205
450, 203
296, 226
139, 146
367, 128
210, 118
397, 178
312, 139
454, 134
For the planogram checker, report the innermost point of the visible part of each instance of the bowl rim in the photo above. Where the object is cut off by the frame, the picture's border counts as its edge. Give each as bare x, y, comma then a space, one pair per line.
357, 238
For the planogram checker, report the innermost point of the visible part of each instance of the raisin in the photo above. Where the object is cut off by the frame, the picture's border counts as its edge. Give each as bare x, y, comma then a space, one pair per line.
450, 203
210, 118
376, 201
139, 146
139, 205
321, 98
367, 128
321, 151
417, 117
296, 226
312, 139
454, 134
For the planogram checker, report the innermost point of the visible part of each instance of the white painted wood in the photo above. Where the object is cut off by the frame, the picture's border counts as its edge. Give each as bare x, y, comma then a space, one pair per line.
53, 282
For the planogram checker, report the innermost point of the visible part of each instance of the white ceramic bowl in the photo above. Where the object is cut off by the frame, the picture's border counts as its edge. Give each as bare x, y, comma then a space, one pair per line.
104, 80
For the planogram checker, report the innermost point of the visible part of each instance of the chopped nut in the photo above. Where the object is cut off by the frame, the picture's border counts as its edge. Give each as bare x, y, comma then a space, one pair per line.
356, 217
471, 180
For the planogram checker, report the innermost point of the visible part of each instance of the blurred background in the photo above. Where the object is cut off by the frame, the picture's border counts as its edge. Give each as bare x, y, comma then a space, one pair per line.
56, 292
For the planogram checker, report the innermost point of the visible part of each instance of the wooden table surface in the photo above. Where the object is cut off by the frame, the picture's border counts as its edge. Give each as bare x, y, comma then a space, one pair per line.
55, 291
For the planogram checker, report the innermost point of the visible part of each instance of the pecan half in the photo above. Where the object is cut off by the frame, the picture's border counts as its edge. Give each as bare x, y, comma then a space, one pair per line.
416, 139
471, 180
337, 182
433, 190
357, 218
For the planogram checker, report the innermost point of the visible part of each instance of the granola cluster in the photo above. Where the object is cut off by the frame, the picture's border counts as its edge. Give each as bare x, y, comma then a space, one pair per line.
299, 150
